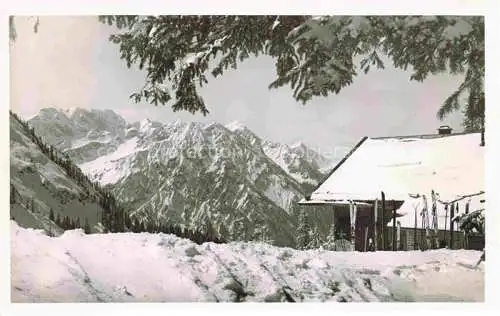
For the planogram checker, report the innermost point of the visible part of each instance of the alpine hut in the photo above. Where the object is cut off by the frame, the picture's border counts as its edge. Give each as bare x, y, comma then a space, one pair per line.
403, 192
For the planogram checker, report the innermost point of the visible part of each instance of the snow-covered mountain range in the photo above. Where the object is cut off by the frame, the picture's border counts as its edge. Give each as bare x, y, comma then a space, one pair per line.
83, 135
189, 173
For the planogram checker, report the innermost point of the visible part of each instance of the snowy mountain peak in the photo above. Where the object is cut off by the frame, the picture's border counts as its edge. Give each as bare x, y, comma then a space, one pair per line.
70, 111
83, 133
145, 122
195, 126
77, 112
298, 160
211, 126
235, 126
79, 116
298, 144
51, 114
147, 126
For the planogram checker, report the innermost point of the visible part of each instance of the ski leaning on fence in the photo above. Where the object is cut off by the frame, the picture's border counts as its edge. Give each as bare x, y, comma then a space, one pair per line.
435, 219
353, 209
425, 220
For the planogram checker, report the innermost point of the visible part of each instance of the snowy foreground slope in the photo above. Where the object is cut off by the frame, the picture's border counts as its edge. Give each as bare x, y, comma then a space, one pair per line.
163, 268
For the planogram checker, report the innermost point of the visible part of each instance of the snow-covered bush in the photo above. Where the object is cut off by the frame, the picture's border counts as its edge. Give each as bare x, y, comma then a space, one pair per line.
472, 222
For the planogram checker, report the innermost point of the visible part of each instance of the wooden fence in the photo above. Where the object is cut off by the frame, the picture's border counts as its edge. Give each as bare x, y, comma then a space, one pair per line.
411, 239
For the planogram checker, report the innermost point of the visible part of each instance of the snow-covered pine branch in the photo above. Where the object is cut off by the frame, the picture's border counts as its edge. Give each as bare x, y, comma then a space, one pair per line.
314, 55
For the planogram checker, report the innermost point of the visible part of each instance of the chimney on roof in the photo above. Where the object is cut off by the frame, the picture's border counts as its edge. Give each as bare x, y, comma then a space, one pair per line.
444, 130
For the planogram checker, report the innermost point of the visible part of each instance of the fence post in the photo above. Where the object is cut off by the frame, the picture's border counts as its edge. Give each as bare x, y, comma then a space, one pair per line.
425, 220
375, 225
452, 224
394, 248
353, 211
415, 243
445, 222
398, 236
333, 228
366, 238
435, 220
383, 221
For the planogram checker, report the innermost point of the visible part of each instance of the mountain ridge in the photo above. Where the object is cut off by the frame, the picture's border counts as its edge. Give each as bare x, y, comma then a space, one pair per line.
41, 187
193, 174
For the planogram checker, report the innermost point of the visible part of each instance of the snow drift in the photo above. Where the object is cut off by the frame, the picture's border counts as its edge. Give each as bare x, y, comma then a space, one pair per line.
144, 267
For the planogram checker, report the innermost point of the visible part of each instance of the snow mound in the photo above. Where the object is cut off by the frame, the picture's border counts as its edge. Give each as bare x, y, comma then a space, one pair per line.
164, 268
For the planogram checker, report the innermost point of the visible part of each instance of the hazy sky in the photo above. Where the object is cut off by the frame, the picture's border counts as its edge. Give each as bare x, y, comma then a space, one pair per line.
70, 63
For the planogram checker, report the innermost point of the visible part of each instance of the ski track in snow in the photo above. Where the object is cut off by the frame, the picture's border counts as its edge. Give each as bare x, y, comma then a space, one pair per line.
164, 268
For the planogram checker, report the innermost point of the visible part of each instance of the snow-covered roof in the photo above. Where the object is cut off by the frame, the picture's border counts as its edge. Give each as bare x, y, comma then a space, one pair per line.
337, 202
451, 165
